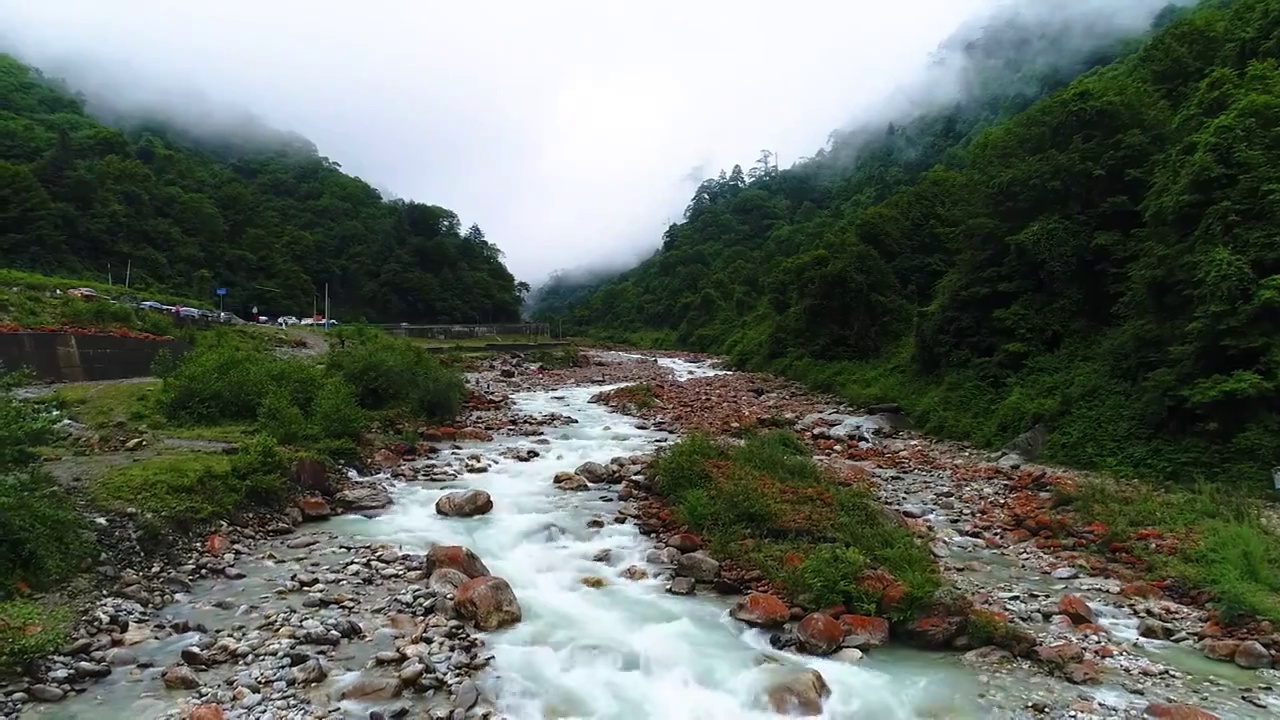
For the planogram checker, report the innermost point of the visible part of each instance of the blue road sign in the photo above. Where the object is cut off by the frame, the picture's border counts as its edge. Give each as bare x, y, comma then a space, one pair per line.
221, 291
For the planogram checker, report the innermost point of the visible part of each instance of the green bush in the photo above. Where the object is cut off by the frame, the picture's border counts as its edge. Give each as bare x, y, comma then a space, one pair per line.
29, 630
23, 426
389, 373
42, 538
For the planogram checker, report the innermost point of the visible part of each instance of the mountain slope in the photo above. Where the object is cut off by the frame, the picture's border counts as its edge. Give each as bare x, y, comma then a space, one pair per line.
272, 224
1104, 261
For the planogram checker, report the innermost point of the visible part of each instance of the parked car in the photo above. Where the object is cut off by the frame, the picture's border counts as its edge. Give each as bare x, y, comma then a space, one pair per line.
188, 312
152, 305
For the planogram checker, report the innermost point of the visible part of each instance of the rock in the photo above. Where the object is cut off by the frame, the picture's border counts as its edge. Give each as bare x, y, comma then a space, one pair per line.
302, 542
592, 472
933, 632
1251, 654
488, 602
372, 688
684, 542
1153, 629
1177, 711
474, 434
801, 694
208, 711
446, 580
864, 632
761, 610
697, 566
134, 444
456, 557
848, 655
593, 581
310, 672
364, 497
635, 572
681, 586
314, 508
311, 477
819, 634
233, 573
179, 677
1064, 573
1082, 673
193, 655
466, 503
466, 695
1224, 650
570, 481
1076, 609
1060, 654
46, 693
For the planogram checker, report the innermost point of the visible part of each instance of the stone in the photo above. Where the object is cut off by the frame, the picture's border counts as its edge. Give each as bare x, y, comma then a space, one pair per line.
570, 481
761, 610
848, 655
864, 631
1082, 673
592, 472
311, 477
364, 497
800, 694
681, 586
208, 711
1252, 655
465, 503
314, 508
1224, 650
1177, 711
1061, 654
593, 581
933, 632
1076, 609
466, 695
819, 634
635, 572
697, 566
684, 542
372, 688
300, 543
488, 602
474, 434
46, 693
456, 557
1153, 629
310, 672
179, 677
193, 655
446, 580
1064, 573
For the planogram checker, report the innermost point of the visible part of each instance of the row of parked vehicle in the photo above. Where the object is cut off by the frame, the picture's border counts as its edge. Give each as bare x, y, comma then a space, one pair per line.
183, 311
188, 312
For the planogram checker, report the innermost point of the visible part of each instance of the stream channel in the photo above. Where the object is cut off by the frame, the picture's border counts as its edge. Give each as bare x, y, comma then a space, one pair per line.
627, 650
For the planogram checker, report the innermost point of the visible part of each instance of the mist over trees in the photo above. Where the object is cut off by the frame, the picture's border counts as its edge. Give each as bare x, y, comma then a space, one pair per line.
1098, 255
248, 208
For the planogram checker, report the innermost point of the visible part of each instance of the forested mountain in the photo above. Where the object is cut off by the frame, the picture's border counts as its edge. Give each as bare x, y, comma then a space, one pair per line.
1104, 259
271, 222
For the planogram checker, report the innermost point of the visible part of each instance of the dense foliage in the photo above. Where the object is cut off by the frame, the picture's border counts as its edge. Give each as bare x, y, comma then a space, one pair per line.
273, 224
1103, 260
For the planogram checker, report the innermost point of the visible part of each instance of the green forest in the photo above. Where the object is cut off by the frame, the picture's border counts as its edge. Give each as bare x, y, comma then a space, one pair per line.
1091, 245
271, 223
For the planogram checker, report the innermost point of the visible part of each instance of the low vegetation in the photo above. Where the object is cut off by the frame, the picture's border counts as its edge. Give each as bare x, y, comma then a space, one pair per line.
31, 300
766, 504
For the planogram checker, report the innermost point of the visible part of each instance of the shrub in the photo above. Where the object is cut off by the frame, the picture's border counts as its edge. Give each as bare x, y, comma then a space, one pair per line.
29, 630
392, 373
42, 537
23, 426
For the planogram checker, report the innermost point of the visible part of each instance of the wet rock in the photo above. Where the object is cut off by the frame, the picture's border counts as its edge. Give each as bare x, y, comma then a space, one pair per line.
635, 572
193, 655
474, 434
933, 632
1076, 609
372, 688
684, 542
1060, 654
300, 543
1252, 655
593, 581
1177, 711
848, 655
446, 580
697, 566
366, 497
1064, 573
466, 503
570, 481
819, 634
310, 672
592, 472
1082, 673
233, 573
1153, 629
466, 695
864, 632
488, 602
311, 477
208, 711
681, 586
179, 677
46, 693
1224, 650
314, 508
801, 694
456, 557
761, 610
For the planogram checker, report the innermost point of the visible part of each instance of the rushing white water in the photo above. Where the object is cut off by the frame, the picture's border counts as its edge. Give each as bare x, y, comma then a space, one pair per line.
629, 649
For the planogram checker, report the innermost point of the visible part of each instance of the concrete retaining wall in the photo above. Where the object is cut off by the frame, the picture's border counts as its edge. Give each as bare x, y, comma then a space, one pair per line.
65, 357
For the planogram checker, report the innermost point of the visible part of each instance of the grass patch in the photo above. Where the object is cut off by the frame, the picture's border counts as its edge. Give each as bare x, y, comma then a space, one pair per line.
31, 629
559, 358
1204, 537
765, 503
184, 491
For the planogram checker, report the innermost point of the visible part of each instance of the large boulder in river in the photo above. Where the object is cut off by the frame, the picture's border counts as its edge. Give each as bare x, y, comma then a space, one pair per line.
592, 472
570, 481
364, 497
761, 610
464, 503
698, 567
488, 602
446, 580
800, 694
311, 477
819, 634
456, 557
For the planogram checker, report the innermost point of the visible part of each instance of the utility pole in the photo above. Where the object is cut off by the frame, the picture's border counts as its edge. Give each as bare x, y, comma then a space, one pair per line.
326, 306
128, 268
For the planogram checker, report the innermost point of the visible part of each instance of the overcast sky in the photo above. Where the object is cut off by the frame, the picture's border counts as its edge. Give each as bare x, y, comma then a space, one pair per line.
566, 129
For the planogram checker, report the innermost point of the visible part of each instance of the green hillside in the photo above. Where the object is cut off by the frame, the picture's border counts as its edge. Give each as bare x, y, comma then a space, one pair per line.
1101, 255
272, 224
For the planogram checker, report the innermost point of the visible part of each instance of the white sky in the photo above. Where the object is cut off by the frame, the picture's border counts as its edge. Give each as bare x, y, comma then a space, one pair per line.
565, 129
